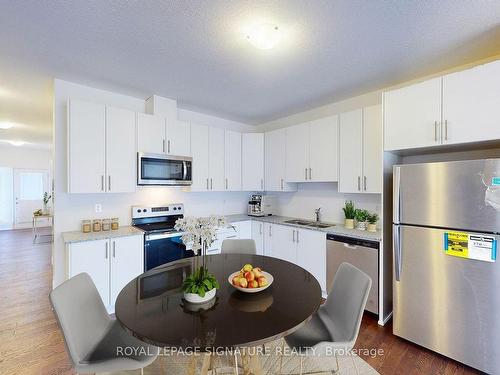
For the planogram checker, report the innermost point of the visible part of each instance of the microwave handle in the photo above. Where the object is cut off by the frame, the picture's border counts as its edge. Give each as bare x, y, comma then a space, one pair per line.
184, 170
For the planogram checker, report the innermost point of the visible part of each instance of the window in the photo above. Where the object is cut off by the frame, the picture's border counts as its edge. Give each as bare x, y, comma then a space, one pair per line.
31, 185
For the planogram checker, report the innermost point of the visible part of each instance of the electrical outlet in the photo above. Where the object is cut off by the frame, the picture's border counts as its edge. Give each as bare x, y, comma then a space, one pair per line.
98, 207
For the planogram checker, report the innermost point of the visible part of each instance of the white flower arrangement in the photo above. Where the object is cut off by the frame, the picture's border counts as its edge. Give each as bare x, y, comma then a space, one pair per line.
199, 230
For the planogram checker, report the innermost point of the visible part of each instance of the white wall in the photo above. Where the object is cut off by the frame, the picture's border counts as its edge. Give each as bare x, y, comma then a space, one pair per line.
70, 209
24, 157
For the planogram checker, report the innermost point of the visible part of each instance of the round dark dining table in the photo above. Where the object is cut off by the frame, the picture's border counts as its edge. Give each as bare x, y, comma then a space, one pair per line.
151, 307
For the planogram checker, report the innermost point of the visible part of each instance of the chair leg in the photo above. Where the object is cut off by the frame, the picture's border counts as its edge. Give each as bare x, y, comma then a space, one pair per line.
142, 371
235, 363
338, 366
281, 357
301, 364
354, 363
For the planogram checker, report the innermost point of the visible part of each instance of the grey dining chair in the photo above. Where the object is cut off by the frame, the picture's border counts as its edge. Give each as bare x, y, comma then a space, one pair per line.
230, 246
335, 326
94, 341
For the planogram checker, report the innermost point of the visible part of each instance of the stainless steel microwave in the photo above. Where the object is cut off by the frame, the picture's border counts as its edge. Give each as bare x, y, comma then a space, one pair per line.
160, 169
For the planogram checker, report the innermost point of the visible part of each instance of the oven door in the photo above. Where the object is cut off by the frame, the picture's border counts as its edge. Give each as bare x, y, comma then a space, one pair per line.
163, 248
158, 169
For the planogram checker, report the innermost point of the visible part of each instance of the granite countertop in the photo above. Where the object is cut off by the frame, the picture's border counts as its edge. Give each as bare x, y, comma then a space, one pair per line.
78, 236
337, 229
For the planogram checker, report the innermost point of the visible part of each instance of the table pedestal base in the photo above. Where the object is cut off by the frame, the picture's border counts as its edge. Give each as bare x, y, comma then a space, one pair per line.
250, 365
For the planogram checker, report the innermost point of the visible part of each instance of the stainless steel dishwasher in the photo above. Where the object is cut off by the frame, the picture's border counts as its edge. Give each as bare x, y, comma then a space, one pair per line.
362, 254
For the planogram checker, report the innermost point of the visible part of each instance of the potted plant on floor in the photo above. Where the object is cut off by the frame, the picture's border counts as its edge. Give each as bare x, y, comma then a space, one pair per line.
199, 233
349, 211
360, 216
372, 219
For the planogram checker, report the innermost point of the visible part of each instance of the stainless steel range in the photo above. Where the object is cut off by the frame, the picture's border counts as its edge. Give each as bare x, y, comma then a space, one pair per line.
162, 243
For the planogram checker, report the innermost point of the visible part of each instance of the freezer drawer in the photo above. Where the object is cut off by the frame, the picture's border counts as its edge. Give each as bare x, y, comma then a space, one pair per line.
359, 253
448, 304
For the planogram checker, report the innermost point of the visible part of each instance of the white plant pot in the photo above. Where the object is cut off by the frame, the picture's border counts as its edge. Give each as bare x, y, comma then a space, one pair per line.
195, 298
361, 225
371, 228
349, 223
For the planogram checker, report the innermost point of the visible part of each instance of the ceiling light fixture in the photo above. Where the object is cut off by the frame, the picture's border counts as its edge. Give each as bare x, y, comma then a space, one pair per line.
17, 143
5, 125
264, 35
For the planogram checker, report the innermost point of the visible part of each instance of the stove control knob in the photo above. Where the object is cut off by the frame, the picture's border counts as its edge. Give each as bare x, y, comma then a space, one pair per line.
178, 208
175, 208
138, 210
145, 210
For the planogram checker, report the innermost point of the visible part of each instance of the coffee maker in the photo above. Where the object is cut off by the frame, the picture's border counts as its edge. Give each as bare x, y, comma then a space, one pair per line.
260, 205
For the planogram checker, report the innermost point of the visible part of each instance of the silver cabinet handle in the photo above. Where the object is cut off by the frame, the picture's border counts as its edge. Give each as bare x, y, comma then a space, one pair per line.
226, 183
297, 236
114, 249
306, 172
262, 184
281, 184
435, 131
364, 183
207, 184
359, 183
163, 145
260, 228
168, 146
270, 232
102, 182
310, 171
445, 130
293, 235
109, 183
106, 250
211, 184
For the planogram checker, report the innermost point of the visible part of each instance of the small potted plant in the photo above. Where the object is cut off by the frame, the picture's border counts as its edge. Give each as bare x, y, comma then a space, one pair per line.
199, 233
372, 219
46, 200
349, 211
360, 216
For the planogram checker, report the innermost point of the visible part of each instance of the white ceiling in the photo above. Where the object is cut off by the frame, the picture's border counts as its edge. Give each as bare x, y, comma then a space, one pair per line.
195, 51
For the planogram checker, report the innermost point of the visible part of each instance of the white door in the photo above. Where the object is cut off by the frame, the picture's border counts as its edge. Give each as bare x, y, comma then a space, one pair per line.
372, 149
297, 153
275, 158
92, 257
258, 236
199, 153
252, 161
87, 147
178, 138
412, 116
351, 152
323, 149
284, 242
127, 254
121, 158
471, 110
150, 133
29, 187
216, 160
232, 163
311, 254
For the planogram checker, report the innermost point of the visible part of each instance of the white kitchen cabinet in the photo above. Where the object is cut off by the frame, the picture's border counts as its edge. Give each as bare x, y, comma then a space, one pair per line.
297, 150
323, 149
126, 254
178, 138
120, 150
216, 158
275, 162
151, 133
111, 263
229, 232
311, 253
412, 116
243, 228
257, 228
471, 110
282, 243
232, 162
360, 151
200, 153
252, 161
86, 147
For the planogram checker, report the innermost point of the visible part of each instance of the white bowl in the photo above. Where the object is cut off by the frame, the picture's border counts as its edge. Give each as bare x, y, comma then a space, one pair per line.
195, 298
268, 276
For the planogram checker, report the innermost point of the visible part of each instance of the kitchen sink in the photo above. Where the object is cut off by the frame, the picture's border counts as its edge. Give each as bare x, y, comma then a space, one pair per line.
320, 225
308, 223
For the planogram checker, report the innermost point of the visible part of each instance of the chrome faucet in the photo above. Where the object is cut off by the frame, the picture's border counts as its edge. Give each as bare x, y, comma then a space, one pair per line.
317, 211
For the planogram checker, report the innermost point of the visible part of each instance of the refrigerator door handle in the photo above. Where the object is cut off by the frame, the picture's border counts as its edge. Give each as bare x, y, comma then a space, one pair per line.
396, 195
396, 244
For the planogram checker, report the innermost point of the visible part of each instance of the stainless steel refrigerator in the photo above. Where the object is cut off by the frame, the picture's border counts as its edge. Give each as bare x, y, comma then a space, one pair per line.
446, 226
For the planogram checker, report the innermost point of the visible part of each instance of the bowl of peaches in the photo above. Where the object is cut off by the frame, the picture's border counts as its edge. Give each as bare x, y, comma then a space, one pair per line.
250, 279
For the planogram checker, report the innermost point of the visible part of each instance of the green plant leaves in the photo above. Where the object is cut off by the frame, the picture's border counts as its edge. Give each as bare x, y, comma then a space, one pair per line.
200, 282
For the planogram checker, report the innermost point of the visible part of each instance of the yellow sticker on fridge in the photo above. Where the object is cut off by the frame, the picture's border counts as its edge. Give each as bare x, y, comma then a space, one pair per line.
470, 246
457, 244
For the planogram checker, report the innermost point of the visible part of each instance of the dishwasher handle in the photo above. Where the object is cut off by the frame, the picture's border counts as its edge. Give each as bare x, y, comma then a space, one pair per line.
353, 243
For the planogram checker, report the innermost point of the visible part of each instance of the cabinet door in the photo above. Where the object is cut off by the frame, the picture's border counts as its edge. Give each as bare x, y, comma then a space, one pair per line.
120, 151
150, 133
252, 162
267, 239
199, 153
216, 158
92, 257
178, 138
471, 110
274, 160
297, 153
87, 147
232, 161
323, 149
283, 239
412, 116
244, 229
372, 149
258, 236
311, 254
127, 254
351, 152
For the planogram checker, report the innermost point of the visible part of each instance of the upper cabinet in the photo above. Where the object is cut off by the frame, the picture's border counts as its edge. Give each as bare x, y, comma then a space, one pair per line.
178, 138
216, 146
312, 151
457, 108
199, 152
412, 116
252, 161
232, 162
158, 136
360, 151
275, 162
101, 148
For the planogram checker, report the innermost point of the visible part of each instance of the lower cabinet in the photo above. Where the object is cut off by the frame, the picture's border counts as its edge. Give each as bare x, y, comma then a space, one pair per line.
258, 236
229, 232
111, 263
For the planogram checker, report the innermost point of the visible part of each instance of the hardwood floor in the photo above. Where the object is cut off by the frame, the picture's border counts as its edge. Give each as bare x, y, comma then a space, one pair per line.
31, 343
